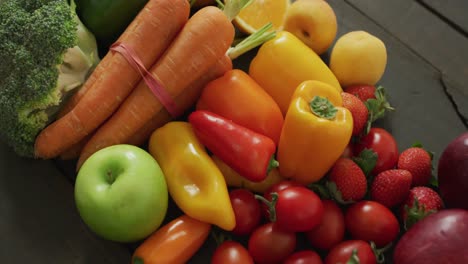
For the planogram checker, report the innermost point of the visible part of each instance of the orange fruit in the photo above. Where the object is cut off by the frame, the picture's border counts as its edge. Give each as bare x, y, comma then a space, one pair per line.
259, 13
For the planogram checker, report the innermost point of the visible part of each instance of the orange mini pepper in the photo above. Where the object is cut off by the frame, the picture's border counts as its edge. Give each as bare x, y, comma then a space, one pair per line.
316, 131
236, 96
175, 242
234, 179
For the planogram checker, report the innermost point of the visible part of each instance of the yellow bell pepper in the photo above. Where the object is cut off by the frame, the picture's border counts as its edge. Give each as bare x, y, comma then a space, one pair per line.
316, 131
234, 179
194, 181
283, 62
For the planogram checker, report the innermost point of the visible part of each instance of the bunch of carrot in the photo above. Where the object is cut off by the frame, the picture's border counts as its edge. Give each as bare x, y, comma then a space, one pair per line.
115, 105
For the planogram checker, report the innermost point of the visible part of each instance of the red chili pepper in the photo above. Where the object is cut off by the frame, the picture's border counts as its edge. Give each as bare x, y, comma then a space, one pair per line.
249, 153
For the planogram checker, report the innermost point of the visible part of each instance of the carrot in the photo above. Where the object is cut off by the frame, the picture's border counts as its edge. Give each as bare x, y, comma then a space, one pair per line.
149, 35
74, 151
185, 100
75, 98
204, 39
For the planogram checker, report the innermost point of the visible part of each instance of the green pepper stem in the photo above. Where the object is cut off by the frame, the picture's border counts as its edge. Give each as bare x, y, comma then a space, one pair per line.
272, 164
270, 205
322, 107
252, 41
138, 260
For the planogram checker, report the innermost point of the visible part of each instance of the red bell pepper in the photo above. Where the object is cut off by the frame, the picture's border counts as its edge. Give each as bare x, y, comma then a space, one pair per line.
249, 153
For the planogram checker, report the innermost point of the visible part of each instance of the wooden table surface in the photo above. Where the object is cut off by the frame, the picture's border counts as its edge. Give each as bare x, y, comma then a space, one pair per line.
426, 79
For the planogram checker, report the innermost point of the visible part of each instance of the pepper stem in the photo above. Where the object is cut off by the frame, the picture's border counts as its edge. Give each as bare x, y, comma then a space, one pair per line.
322, 107
272, 164
137, 260
271, 205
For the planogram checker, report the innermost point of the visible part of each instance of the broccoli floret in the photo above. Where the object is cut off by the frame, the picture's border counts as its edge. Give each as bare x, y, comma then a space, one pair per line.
46, 53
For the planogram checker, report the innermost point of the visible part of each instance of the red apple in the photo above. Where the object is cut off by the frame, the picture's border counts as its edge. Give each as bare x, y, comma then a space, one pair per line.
453, 173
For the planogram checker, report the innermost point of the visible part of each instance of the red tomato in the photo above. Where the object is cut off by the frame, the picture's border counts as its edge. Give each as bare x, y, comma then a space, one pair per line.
276, 188
298, 209
343, 251
332, 228
246, 210
384, 144
269, 244
348, 151
231, 252
372, 221
304, 257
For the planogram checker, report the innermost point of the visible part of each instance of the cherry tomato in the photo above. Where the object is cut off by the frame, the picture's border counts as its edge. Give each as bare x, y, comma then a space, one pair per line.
332, 228
269, 244
231, 252
343, 251
247, 211
276, 188
348, 151
372, 221
384, 144
304, 257
298, 209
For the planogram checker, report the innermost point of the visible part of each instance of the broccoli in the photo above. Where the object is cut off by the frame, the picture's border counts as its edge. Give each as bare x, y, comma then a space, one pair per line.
46, 53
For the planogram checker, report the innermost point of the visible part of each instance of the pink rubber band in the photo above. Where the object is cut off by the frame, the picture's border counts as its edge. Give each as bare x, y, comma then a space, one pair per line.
158, 90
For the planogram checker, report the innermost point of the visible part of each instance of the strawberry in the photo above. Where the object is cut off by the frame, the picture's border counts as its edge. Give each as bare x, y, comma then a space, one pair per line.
362, 92
375, 100
347, 181
391, 187
358, 110
417, 161
421, 202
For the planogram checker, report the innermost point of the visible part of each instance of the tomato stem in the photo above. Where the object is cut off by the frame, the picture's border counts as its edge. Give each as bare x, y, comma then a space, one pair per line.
353, 259
270, 204
379, 253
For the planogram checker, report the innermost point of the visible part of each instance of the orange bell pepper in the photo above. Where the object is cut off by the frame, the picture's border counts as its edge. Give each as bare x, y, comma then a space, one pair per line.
236, 96
316, 131
175, 242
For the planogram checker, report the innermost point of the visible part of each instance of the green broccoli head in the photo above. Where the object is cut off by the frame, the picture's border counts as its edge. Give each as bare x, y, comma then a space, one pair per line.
46, 53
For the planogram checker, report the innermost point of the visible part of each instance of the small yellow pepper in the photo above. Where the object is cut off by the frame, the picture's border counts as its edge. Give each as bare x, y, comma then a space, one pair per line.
194, 181
234, 179
316, 131
284, 62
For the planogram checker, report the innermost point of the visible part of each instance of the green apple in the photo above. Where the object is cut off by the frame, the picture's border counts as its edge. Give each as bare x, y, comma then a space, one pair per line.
121, 193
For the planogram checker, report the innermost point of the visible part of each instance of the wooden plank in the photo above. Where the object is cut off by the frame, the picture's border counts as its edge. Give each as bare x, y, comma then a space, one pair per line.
38, 219
427, 35
454, 11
